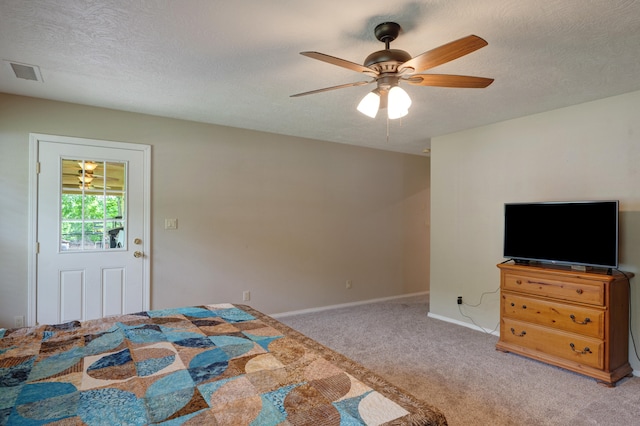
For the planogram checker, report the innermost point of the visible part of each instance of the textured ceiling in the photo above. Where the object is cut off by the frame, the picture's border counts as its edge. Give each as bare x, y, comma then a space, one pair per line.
235, 63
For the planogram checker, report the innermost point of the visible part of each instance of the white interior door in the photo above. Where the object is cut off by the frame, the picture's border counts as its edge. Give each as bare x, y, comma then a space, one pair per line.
92, 229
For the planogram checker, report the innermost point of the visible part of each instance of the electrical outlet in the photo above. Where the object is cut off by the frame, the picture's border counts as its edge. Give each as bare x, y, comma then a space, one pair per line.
459, 300
246, 296
348, 284
18, 321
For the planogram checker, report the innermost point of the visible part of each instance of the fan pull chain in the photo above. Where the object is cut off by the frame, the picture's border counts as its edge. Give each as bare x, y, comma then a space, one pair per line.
387, 129
400, 120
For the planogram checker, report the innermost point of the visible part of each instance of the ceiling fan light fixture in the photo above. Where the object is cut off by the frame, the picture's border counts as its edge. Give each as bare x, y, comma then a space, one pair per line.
397, 114
369, 104
89, 166
86, 178
399, 103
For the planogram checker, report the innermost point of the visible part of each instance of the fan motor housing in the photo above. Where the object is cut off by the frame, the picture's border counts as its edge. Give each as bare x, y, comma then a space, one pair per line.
387, 60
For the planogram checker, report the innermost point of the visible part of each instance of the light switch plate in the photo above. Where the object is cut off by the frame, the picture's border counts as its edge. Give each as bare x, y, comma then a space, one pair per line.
171, 224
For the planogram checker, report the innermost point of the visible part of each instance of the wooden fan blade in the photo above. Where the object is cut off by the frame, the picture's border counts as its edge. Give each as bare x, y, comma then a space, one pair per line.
446, 80
100, 177
340, 62
326, 89
97, 177
443, 54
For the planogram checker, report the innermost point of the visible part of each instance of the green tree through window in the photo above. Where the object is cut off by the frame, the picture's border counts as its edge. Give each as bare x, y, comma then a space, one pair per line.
101, 213
92, 206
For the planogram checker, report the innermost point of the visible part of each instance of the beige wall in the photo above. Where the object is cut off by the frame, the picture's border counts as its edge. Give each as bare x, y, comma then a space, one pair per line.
584, 152
288, 219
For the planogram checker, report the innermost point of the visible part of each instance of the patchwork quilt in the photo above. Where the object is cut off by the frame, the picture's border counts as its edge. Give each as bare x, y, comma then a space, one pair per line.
217, 365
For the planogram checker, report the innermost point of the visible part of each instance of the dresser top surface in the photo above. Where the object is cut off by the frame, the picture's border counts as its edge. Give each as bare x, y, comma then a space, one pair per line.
598, 273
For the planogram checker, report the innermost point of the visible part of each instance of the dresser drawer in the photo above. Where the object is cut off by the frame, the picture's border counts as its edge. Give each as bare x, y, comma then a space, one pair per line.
580, 349
573, 318
573, 289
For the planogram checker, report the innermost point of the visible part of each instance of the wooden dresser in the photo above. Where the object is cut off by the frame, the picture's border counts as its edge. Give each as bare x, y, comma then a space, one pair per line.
575, 320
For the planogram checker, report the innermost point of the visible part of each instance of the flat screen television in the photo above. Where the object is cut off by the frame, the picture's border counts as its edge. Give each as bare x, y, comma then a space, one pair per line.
581, 233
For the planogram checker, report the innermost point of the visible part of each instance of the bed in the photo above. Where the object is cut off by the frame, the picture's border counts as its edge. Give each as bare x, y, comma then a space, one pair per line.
217, 364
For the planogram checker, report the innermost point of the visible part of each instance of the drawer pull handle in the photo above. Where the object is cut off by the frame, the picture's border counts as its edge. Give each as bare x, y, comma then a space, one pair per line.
573, 318
513, 331
518, 281
585, 351
523, 306
579, 291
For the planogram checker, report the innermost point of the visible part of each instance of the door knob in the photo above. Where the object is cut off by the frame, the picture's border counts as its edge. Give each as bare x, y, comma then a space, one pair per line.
137, 254
137, 241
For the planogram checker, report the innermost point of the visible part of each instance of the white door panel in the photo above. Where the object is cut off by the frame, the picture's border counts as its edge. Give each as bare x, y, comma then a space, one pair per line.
86, 267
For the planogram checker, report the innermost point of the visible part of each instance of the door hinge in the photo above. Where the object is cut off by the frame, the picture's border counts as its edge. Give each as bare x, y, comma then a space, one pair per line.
37, 167
37, 247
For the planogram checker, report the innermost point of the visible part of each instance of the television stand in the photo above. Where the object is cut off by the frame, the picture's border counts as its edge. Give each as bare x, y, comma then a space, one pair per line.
580, 268
575, 320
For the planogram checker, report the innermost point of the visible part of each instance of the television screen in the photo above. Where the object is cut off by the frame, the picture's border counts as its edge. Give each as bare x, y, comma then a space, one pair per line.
574, 233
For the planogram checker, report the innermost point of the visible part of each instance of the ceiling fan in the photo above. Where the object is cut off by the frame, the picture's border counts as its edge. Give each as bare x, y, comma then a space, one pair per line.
389, 66
85, 174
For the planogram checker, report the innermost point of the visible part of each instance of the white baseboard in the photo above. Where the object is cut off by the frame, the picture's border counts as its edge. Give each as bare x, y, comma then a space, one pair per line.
345, 305
464, 324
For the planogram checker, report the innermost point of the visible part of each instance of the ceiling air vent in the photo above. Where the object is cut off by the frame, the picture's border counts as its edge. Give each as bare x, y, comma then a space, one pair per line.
25, 71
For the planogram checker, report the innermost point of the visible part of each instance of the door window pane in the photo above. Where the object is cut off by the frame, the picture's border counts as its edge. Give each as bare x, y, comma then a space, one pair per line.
92, 208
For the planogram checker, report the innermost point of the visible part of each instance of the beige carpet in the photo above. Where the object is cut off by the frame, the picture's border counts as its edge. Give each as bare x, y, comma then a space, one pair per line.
459, 371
